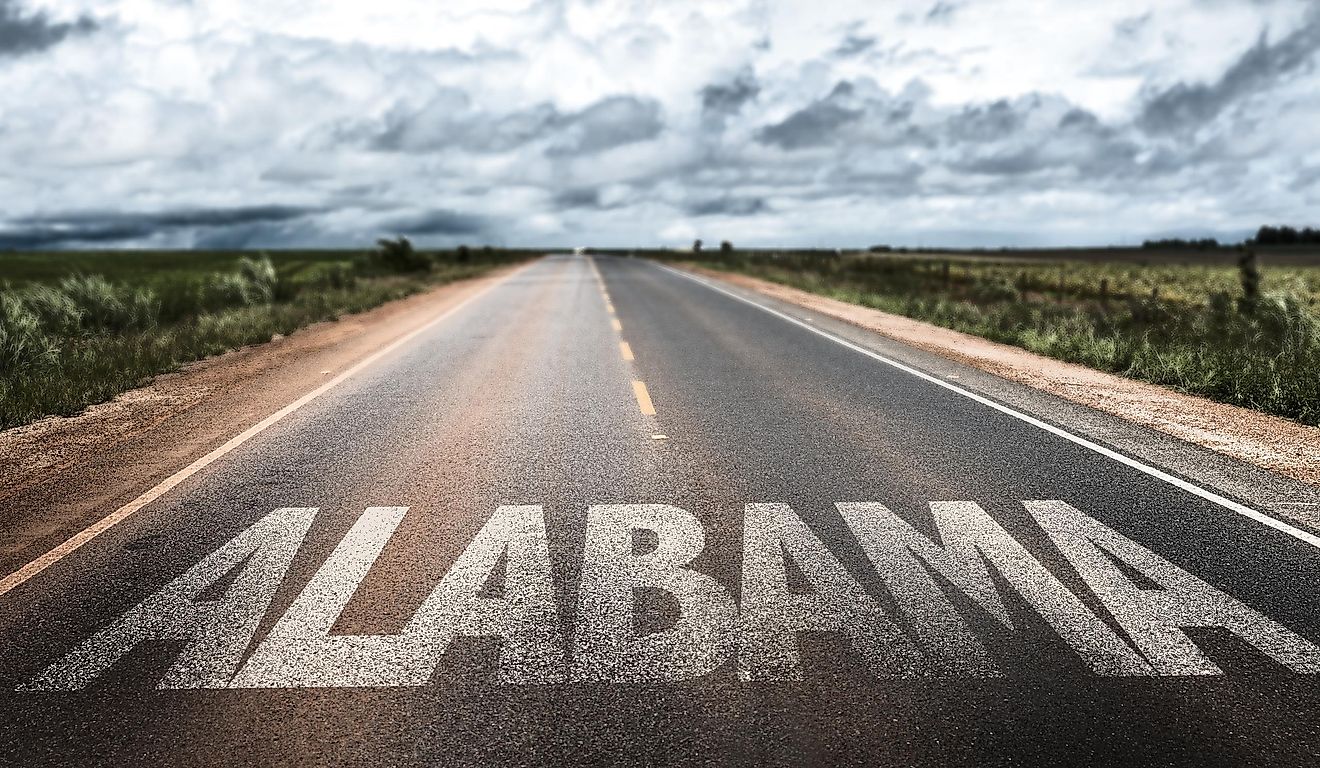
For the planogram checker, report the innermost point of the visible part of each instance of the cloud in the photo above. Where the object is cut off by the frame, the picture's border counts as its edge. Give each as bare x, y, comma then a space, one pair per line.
613, 122
985, 122
435, 222
942, 12
609, 123
854, 45
720, 100
23, 33
449, 121
728, 206
581, 197
814, 125
116, 226
1183, 106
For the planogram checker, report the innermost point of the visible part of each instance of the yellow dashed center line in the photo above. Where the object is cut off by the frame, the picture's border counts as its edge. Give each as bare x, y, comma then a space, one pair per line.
625, 350
643, 398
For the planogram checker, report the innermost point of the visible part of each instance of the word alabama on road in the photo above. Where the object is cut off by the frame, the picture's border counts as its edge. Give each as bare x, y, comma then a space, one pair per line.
709, 628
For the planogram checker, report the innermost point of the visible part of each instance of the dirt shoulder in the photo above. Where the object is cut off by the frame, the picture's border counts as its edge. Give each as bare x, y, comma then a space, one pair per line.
58, 474
1281, 446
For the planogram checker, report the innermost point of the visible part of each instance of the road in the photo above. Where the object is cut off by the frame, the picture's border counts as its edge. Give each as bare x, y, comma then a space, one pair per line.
606, 514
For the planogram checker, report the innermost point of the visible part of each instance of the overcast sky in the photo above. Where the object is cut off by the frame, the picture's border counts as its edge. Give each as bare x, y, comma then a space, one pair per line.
249, 123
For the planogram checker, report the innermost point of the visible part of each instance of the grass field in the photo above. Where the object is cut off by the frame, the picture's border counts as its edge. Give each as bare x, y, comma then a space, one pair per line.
79, 328
1207, 328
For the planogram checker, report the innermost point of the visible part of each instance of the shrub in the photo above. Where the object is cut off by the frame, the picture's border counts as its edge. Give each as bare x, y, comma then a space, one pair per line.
399, 256
1249, 275
340, 276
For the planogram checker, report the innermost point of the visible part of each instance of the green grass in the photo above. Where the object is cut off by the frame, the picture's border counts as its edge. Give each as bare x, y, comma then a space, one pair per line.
1184, 326
79, 328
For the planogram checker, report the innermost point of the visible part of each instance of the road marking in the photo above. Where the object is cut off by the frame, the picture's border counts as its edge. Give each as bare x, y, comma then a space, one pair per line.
643, 398
215, 632
70, 546
302, 651
625, 350
1195, 490
213, 618
659, 437
608, 647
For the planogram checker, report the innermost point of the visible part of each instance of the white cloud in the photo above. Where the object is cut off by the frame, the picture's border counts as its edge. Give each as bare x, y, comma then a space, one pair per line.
625, 122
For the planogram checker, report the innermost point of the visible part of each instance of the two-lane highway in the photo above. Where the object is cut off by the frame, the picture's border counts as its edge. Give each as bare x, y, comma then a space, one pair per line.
607, 514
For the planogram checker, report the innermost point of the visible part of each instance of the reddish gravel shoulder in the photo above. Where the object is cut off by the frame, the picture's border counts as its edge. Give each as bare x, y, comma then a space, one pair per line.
1279, 445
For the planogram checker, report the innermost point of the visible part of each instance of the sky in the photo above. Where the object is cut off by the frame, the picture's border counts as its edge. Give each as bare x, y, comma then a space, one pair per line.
831, 123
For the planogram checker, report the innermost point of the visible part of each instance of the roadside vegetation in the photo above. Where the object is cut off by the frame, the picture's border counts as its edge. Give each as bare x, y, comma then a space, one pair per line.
1246, 334
80, 328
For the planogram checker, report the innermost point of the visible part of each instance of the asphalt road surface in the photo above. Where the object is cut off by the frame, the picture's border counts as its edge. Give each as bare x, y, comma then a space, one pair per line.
606, 514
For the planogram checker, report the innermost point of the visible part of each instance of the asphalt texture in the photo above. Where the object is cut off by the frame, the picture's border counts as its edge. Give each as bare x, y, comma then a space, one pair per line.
524, 397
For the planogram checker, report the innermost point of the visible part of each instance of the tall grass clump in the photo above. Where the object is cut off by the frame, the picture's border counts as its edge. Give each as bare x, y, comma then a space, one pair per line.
24, 342
105, 306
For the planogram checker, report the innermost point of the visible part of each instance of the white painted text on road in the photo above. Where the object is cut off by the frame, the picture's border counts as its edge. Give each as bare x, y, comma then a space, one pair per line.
919, 612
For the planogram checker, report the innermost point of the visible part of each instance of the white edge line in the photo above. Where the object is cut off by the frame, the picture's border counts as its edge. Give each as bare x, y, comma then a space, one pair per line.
35, 567
1196, 490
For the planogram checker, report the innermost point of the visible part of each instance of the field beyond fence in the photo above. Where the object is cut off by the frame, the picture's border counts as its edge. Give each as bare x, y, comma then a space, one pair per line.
1242, 333
80, 328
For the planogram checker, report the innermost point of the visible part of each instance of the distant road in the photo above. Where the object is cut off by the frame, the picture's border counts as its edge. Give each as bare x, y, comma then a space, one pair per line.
604, 513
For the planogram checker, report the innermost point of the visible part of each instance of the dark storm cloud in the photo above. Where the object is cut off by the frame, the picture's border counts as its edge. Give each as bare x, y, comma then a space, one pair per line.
22, 32
942, 11
1041, 134
582, 197
609, 123
854, 44
1080, 119
813, 125
985, 122
728, 206
436, 222
1013, 163
112, 227
449, 122
1183, 105
721, 99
